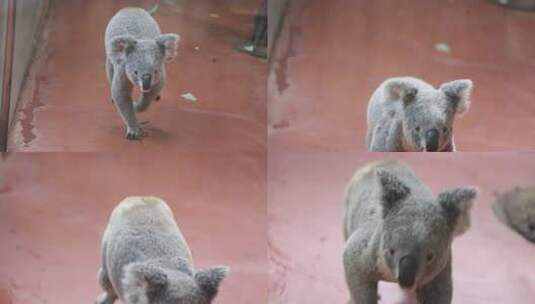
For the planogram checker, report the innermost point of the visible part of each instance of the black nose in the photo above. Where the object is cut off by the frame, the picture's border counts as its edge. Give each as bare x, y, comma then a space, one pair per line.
146, 81
431, 140
407, 271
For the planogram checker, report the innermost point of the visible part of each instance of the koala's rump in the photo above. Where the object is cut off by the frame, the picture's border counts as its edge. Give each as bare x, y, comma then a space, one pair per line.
131, 21
140, 229
134, 244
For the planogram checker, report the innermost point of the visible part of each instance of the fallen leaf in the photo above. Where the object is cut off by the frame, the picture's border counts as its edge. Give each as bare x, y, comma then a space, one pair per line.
442, 47
189, 97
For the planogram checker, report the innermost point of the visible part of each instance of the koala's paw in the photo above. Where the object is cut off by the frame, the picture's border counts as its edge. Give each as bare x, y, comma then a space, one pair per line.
134, 133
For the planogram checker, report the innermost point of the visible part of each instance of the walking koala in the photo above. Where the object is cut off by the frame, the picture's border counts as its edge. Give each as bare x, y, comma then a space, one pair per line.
406, 114
145, 258
136, 53
396, 230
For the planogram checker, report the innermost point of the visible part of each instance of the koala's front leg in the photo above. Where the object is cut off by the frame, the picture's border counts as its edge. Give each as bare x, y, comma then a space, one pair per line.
363, 290
108, 296
362, 287
122, 97
439, 290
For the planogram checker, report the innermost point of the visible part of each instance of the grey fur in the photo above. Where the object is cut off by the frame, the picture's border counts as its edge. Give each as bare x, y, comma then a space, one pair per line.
403, 110
145, 258
516, 209
136, 50
392, 219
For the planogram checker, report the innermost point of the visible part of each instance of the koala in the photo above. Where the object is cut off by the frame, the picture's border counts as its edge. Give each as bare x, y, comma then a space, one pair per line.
516, 209
406, 114
136, 53
146, 260
396, 230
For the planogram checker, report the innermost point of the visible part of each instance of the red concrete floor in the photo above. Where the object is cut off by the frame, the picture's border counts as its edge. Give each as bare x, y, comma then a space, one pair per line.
331, 56
491, 263
54, 208
66, 103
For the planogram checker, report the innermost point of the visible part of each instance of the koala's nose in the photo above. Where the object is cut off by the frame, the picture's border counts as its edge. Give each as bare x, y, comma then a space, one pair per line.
431, 140
146, 80
407, 269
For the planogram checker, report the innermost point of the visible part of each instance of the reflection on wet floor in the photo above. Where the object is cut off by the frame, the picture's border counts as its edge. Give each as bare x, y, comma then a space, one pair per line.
331, 55
54, 208
65, 105
491, 263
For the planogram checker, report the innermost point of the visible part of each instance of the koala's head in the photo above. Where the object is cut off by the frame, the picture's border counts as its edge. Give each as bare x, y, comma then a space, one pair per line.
417, 233
146, 284
428, 114
143, 59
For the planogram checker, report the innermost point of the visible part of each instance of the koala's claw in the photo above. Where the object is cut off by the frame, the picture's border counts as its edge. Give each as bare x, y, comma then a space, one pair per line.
134, 133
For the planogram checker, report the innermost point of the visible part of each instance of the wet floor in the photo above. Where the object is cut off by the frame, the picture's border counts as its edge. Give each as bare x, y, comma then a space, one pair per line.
331, 55
491, 263
66, 104
54, 208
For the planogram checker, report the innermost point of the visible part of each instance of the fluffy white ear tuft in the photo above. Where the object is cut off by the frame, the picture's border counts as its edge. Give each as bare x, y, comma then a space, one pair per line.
169, 45
210, 279
119, 47
457, 203
399, 89
459, 91
140, 281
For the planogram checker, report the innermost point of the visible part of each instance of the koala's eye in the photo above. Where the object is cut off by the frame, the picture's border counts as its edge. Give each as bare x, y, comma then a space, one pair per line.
391, 251
156, 72
417, 129
135, 72
445, 130
430, 257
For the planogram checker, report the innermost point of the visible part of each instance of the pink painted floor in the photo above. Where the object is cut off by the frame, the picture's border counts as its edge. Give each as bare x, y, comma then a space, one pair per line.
66, 104
332, 55
491, 263
54, 208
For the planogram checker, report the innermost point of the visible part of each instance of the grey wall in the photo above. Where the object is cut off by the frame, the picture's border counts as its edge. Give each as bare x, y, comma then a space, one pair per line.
276, 10
29, 18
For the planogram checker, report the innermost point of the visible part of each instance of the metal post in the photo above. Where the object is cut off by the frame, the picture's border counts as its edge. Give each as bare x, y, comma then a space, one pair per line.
5, 101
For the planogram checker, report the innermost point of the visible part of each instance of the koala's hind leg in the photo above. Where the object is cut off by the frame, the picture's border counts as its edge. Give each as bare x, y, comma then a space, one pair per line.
439, 290
108, 296
146, 99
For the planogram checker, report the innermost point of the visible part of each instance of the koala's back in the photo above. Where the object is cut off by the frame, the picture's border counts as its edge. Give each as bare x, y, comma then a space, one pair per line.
141, 228
363, 195
132, 21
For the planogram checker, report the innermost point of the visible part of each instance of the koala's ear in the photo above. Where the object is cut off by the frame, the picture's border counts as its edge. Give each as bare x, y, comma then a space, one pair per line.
456, 204
458, 92
397, 89
142, 282
120, 46
168, 43
394, 191
209, 279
